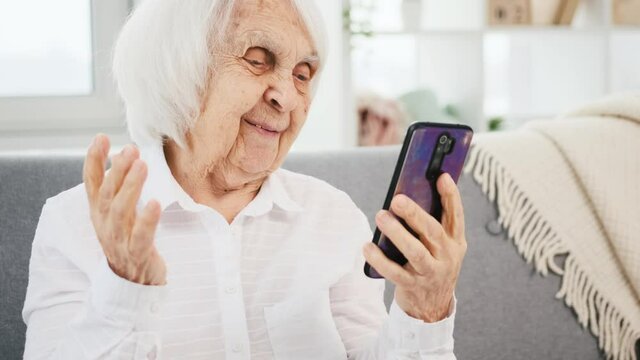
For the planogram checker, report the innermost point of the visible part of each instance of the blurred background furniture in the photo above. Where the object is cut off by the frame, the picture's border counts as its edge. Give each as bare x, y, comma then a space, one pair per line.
516, 70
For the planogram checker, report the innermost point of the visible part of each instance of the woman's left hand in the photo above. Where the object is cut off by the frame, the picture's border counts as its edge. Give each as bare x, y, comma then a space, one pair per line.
425, 284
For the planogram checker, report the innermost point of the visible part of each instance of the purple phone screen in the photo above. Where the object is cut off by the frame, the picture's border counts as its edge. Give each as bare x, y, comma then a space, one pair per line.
419, 172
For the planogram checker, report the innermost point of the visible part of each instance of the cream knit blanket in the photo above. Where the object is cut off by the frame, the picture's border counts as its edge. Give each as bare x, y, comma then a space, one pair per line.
572, 186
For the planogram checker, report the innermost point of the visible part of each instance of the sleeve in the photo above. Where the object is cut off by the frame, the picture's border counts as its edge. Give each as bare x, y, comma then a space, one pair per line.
71, 314
366, 329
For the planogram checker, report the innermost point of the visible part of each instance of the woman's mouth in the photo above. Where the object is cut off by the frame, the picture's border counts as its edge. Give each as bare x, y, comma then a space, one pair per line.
262, 129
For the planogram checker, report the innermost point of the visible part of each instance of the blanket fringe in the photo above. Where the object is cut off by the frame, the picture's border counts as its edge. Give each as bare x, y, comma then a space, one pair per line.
537, 242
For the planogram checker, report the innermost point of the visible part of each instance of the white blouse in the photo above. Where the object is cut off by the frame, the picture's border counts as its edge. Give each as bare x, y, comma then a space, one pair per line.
284, 280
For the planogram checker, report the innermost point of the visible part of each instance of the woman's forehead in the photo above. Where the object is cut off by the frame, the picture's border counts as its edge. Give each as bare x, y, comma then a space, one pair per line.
281, 7
277, 28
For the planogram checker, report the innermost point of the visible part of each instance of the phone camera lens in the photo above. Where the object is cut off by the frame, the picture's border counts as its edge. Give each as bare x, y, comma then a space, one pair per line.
443, 139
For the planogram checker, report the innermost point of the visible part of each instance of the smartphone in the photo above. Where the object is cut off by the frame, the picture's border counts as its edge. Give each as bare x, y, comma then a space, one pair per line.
429, 150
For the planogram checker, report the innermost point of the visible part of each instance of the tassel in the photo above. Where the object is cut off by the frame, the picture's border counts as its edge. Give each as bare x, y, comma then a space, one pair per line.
536, 241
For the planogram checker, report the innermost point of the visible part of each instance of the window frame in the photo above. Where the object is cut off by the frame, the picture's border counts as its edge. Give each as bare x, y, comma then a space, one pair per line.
101, 109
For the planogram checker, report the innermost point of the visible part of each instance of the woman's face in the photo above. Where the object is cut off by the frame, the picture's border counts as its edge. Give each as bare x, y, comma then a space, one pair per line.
259, 92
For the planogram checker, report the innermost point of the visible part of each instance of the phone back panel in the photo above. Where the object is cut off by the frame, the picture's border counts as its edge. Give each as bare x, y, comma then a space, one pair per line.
410, 178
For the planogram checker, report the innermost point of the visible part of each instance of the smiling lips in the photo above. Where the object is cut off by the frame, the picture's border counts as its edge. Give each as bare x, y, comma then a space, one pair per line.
262, 128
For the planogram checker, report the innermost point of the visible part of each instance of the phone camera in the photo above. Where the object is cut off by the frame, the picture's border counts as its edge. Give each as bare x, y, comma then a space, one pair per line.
443, 139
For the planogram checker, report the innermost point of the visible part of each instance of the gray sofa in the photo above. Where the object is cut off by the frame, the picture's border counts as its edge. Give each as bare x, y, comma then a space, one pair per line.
505, 310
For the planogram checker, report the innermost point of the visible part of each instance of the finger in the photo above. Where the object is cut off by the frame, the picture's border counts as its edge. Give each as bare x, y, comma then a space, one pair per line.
452, 210
122, 210
426, 226
144, 229
120, 165
93, 167
387, 268
412, 249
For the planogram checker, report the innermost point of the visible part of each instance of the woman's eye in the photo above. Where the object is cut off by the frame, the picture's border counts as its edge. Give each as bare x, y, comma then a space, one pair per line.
302, 72
258, 58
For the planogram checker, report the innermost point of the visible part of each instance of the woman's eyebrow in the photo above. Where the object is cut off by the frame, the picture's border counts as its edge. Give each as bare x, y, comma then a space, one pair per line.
257, 38
312, 60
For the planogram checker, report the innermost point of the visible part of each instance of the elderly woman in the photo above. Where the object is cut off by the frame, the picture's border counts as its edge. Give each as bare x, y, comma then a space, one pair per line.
195, 244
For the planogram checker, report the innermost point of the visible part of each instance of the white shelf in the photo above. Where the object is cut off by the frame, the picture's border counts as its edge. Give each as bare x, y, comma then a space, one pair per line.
505, 29
518, 72
625, 28
545, 30
432, 32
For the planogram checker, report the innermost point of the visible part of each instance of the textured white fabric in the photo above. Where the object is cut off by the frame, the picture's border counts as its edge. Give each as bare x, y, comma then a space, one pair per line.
284, 280
570, 186
616, 195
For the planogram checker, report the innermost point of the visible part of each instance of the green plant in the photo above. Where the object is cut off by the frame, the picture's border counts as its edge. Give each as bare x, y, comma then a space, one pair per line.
452, 111
495, 123
356, 17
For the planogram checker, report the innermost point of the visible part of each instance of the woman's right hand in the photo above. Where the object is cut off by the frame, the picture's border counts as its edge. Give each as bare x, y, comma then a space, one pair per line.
127, 238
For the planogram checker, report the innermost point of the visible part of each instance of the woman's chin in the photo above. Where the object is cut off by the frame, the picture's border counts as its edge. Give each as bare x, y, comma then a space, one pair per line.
259, 161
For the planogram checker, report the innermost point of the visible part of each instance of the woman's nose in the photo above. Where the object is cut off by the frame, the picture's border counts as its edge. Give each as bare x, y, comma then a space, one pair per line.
281, 95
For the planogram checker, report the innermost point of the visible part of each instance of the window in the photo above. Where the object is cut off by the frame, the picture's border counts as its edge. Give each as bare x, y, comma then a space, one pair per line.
40, 55
55, 64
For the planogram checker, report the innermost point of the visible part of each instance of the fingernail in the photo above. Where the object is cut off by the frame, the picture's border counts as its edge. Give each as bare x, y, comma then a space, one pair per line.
137, 167
153, 205
368, 247
446, 179
99, 141
401, 201
450, 179
383, 216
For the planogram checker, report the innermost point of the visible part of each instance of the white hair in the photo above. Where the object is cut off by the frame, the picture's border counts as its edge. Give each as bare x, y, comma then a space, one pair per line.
162, 61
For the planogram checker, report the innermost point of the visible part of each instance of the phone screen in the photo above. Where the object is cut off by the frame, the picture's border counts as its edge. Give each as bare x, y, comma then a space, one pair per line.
429, 149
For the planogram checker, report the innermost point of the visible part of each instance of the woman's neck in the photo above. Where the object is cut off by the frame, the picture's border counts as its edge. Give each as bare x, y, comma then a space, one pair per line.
215, 184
